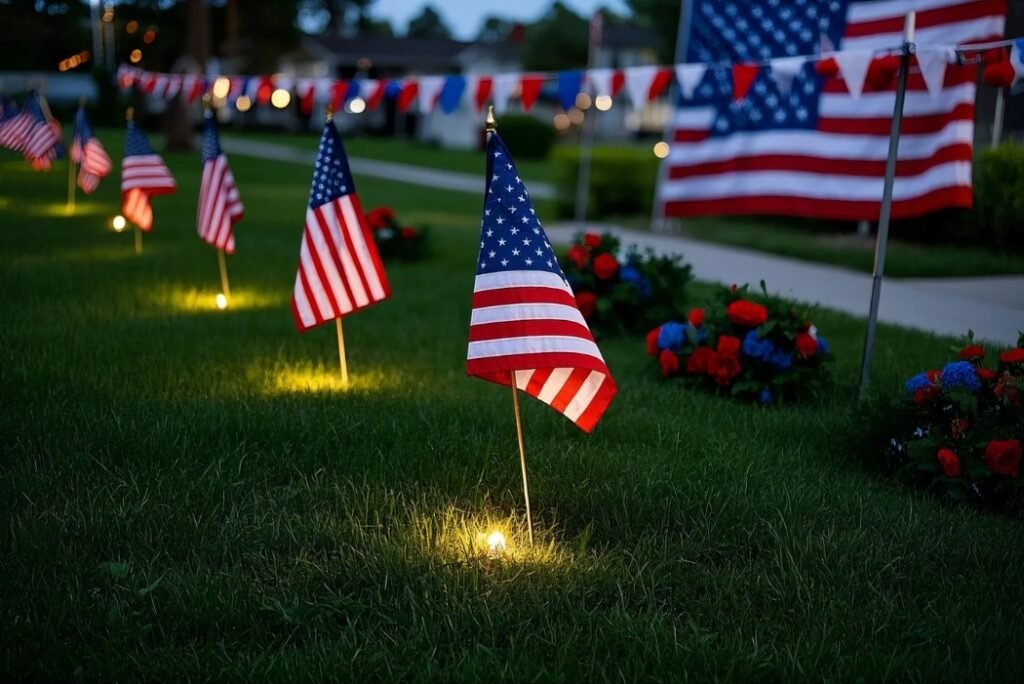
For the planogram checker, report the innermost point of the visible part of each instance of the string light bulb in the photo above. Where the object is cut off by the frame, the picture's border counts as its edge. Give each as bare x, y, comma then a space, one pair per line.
222, 301
496, 544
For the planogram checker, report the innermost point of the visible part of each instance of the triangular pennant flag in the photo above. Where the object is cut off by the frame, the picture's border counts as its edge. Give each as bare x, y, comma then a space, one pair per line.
430, 91
689, 77
410, 89
1017, 58
451, 93
784, 70
173, 87
196, 90
306, 90
743, 76
932, 63
374, 90
339, 90
660, 83
482, 87
600, 81
853, 67
502, 89
530, 87
569, 85
638, 84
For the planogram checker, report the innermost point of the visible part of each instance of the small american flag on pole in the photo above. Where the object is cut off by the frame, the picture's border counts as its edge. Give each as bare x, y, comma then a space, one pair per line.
86, 150
220, 206
525, 319
143, 175
340, 270
37, 136
10, 119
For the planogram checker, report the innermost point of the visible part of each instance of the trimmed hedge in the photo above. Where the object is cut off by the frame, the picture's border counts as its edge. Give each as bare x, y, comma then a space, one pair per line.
530, 138
999, 196
621, 181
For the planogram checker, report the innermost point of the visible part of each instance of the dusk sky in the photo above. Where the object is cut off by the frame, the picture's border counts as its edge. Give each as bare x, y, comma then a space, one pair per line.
465, 16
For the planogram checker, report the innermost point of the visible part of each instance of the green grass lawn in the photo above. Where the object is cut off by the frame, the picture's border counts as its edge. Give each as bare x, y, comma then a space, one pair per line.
189, 494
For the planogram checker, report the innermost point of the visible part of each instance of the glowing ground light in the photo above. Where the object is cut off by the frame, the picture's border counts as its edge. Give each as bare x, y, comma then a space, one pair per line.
280, 98
603, 102
661, 149
118, 223
496, 544
222, 301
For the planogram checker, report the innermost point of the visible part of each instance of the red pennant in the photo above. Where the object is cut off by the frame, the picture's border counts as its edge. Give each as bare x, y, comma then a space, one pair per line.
993, 56
483, 91
882, 71
530, 90
743, 76
408, 95
659, 83
618, 80
307, 99
827, 68
265, 90
148, 84
196, 90
378, 93
338, 91
999, 74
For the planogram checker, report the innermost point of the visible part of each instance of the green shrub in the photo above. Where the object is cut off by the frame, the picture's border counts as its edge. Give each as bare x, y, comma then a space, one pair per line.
999, 196
531, 138
621, 181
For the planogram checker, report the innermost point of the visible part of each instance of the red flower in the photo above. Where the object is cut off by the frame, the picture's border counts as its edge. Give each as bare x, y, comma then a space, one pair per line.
934, 377
950, 463
696, 317
409, 233
669, 362
591, 240
652, 341
605, 266
805, 345
742, 312
586, 302
924, 395
699, 360
1003, 457
958, 426
723, 368
579, 257
381, 217
971, 352
985, 375
1012, 356
728, 345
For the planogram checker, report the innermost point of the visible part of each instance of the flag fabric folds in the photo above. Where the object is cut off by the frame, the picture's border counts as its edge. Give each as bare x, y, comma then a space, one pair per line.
86, 150
143, 175
12, 119
32, 133
524, 319
340, 270
220, 206
811, 146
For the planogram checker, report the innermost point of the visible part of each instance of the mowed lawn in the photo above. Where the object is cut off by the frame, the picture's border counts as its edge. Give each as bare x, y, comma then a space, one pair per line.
189, 494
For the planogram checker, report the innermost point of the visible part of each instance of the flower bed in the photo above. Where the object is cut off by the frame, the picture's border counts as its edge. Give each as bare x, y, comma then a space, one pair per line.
395, 241
760, 348
958, 430
623, 292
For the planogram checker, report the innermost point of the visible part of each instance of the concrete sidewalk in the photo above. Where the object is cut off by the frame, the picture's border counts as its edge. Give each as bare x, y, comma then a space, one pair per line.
403, 173
993, 307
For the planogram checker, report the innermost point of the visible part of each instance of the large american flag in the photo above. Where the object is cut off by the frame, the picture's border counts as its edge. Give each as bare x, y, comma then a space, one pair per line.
340, 270
86, 150
525, 320
220, 206
143, 175
816, 150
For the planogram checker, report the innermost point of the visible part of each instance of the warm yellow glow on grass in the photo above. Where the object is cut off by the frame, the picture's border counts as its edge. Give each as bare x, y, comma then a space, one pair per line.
496, 544
193, 300
222, 301
324, 377
60, 208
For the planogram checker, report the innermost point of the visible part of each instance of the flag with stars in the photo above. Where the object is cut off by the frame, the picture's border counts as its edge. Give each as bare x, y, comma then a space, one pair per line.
143, 175
220, 206
340, 270
93, 161
525, 323
799, 143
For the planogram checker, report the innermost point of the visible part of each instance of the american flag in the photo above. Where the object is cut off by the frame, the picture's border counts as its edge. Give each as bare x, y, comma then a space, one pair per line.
220, 206
525, 320
34, 134
86, 150
340, 270
9, 124
816, 150
143, 175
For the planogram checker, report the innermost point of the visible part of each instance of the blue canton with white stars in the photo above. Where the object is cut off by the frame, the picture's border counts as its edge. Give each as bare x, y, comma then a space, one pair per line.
332, 177
136, 144
733, 31
211, 141
511, 236
83, 131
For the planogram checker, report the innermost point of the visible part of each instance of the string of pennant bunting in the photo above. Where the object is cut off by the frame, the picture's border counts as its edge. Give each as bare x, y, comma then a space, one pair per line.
857, 68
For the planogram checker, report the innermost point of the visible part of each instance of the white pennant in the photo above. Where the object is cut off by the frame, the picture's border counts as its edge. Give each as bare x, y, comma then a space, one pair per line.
501, 90
601, 81
784, 70
303, 86
324, 90
638, 83
430, 88
932, 63
853, 65
173, 87
689, 77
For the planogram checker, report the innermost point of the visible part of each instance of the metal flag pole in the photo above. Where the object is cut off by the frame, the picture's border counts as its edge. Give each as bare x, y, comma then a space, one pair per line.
882, 239
588, 127
492, 127
342, 358
71, 185
682, 44
130, 116
225, 286
997, 121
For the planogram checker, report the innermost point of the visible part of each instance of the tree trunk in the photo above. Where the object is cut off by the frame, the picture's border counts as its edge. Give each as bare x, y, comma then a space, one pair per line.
197, 41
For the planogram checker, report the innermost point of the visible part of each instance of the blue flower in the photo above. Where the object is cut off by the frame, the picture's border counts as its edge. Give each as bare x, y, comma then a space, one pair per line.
672, 336
823, 345
781, 359
960, 374
918, 382
765, 397
633, 276
757, 348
